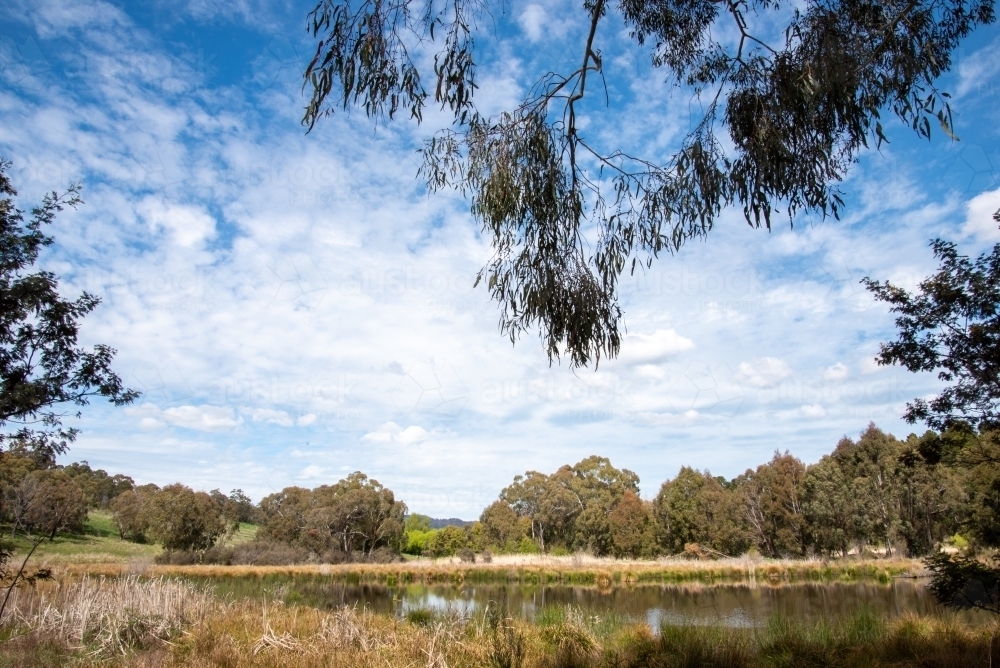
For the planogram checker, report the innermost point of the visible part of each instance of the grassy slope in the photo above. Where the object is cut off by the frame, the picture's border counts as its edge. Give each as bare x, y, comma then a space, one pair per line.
99, 544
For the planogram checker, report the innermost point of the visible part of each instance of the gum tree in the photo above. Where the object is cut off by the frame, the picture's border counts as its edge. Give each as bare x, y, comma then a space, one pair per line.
792, 94
951, 326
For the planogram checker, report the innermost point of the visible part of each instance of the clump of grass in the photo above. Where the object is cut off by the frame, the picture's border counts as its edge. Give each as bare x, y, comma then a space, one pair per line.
506, 644
420, 616
571, 643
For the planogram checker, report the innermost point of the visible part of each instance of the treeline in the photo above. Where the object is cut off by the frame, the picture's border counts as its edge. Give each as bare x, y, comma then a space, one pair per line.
875, 495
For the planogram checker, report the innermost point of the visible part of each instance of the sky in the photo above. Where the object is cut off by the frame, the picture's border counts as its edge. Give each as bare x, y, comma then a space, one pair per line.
297, 307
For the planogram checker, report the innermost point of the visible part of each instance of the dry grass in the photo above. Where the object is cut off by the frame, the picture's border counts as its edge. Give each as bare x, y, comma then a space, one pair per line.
533, 569
102, 617
290, 637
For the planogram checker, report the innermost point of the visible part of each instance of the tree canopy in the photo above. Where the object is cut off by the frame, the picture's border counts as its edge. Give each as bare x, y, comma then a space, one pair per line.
791, 96
950, 325
41, 366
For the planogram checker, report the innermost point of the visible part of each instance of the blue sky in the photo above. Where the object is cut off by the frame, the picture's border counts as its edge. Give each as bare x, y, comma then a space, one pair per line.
296, 307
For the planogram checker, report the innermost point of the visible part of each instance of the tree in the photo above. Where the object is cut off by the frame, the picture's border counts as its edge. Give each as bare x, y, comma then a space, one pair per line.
41, 367
566, 213
500, 526
180, 518
99, 487
417, 522
243, 507
831, 507
359, 513
447, 541
57, 504
356, 514
930, 497
952, 326
772, 495
629, 522
283, 514
695, 507
128, 510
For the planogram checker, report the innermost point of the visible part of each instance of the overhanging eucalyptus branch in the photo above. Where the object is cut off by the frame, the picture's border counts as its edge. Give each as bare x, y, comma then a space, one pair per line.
797, 115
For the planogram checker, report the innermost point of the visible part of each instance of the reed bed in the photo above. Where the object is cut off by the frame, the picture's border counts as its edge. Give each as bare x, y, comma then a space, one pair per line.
550, 571
105, 617
161, 623
291, 637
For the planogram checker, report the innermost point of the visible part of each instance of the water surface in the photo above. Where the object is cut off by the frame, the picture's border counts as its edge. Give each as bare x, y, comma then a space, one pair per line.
737, 605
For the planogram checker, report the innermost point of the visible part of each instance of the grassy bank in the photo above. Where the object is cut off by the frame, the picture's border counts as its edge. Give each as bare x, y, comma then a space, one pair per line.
138, 622
602, 573
99, 544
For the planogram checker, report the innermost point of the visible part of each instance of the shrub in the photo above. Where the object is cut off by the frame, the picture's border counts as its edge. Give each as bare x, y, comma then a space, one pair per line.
384, 555
178, 557
260, 553
466, 555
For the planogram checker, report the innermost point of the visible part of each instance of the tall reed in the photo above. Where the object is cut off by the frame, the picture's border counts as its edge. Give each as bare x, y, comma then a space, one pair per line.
108, 616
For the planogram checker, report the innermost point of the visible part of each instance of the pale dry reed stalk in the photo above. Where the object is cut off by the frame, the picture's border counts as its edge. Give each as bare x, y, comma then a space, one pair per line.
110, 615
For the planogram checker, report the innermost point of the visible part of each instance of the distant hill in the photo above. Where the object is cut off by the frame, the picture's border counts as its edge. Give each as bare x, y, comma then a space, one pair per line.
437, 523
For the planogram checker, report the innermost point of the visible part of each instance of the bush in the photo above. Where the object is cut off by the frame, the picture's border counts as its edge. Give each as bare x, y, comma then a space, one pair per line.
260, 553
466, 555
218, 554
178, 557
384, 555
334, 556
486, 557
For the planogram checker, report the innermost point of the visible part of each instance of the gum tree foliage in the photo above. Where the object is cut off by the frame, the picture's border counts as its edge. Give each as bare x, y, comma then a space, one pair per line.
772, 497
180, 518
571, 507
128, 511
356, 514
41, 366
951, 325
786, 112
98, 486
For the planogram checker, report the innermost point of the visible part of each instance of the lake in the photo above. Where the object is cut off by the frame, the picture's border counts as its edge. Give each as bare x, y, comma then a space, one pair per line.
735, 605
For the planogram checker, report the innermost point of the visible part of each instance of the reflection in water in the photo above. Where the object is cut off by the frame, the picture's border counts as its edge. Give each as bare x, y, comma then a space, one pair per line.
728, 605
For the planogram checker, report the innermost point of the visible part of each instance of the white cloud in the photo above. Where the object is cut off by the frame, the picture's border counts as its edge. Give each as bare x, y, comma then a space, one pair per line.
868, 365
151, 423
532, 19
311, 472
763, 372
268, 416
189, 226
836, 372
641, 349
813, 411
979, 216
305, 420
390, 432
204, 417
977, 70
